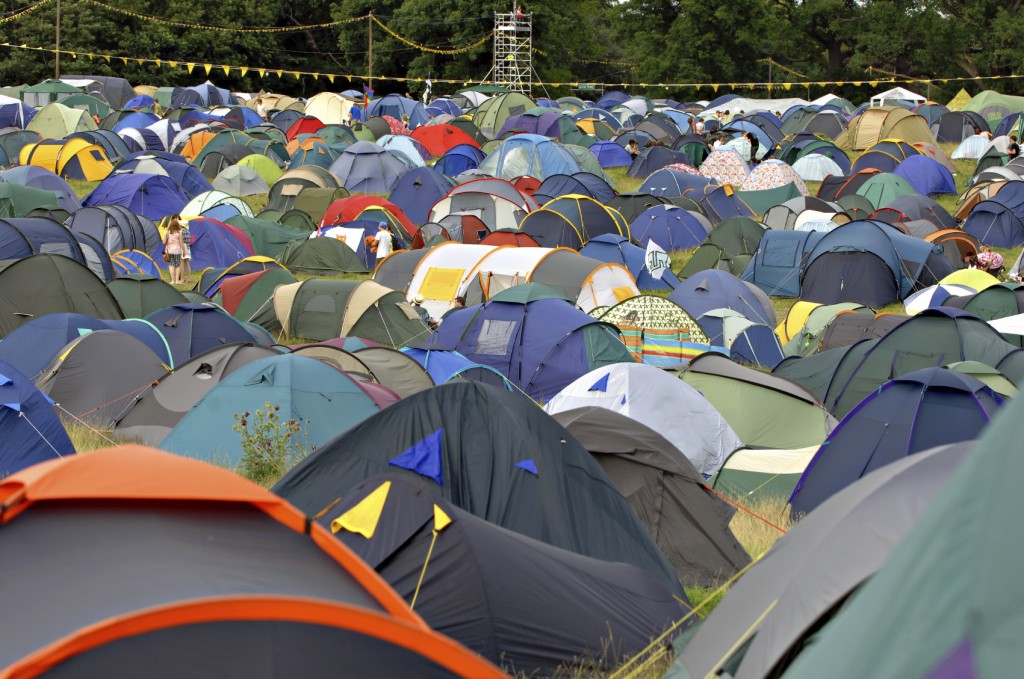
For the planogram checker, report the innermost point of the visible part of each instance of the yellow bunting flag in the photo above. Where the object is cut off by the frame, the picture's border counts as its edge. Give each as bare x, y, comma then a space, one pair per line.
172, 64
226, 69
207, 68
363, 518
243, 70
189, 67
262, 72
441, 520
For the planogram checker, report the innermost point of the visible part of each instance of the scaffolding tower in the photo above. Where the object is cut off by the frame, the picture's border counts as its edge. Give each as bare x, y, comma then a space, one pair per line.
513, 52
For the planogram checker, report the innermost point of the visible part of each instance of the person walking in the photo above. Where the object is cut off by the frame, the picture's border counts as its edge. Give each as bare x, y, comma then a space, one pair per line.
186, 249
384, 240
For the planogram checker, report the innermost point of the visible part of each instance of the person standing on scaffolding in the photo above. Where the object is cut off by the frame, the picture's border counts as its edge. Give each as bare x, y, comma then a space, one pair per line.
519, 13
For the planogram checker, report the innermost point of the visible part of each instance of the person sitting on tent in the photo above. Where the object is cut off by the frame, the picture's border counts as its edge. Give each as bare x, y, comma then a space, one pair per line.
417, 304
991, 262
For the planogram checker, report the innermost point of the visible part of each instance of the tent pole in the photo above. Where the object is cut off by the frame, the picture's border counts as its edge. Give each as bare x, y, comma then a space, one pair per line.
369, 61
56, 65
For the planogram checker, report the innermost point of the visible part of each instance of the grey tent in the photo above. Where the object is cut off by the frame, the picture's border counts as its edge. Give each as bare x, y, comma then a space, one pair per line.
153, 412
689, 523
494, 454
396, 271
240, 180
516, 601
96, 376
396, 371
812, 569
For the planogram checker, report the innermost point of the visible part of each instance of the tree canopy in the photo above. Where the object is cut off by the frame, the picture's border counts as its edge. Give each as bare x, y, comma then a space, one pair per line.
632, 42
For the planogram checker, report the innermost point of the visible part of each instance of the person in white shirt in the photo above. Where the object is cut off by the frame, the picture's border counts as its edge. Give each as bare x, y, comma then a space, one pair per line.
383, 240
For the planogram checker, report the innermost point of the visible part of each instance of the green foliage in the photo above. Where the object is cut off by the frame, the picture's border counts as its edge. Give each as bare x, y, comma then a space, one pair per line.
270, 446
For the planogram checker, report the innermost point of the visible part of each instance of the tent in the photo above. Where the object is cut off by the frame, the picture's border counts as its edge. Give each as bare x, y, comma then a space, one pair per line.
534, 336
767, 616
761, 474
96, 375
906, 415
494, 590
38, 178
671, 227
763, 409
746, 341
729, 246
655, 330
323, 401
523, 471
152, 196
153, 412
321, 257
248, 297
365, 167
165, 551
655, 399
612, 248
529, 154
191, 329
884, 122
45, 284
321, 309
721, 290
68, 158
139, 295
32, 431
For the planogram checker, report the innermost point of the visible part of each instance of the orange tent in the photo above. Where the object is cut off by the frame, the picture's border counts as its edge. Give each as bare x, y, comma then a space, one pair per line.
439, 139
195, 144
130, 542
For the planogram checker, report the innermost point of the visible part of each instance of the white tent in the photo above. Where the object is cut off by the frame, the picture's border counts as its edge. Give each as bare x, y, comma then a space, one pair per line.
895, 97
659, 400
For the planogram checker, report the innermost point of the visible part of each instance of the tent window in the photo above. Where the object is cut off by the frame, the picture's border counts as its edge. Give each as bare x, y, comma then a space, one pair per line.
494, 338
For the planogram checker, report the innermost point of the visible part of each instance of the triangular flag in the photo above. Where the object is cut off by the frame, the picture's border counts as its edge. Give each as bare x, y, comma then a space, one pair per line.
297, 74
600, 385
279, 73
243, 70
529, 465
441, 520
189, 66
424, 457
261, 71
330, 76
714, 87
856, 83
364, 516
226, 69
207, 68
787, 86
172, 64
157, 62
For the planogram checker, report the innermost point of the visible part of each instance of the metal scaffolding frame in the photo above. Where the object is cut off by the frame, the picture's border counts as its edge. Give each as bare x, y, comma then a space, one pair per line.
513, 52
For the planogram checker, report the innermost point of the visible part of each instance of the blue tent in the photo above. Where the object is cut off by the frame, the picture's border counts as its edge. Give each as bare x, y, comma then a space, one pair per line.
134, 261
319, 154
206, 94
529, 154
776, 266
136, 120
31, 430
213, 244
26, 236
396, 106
581, 183
14, 113
191, 329
150, 195
596, 186
39, 178
365, 167
999, 221
849, 264
535, 337
653, 158
671, 227
747, 342
443, 106
600, 114
720, 203
139, 101
912, 413
610, 100
927, 175
611, 248
459, 159
610, 154
714, 289
672, 183
447, 366
35, 344
325, 400
408, 149
187, 176
417, 190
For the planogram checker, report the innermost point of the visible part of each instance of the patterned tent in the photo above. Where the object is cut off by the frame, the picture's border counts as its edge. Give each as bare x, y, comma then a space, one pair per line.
656, 331
772, 174
682, 167
726, 166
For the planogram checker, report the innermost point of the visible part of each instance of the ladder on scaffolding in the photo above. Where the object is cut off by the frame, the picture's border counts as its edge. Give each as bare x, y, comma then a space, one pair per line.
513, 52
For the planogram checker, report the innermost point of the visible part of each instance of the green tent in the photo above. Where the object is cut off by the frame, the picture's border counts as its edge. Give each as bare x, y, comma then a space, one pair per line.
86, 102
321, 257
47, 92
762, 409
250, 296
945, 602
807, 340
140, 295
493, 113
758, 473
729, 247
264, 167
268, 238
883, 187
19, 201
323, 309
57, 121
993, 106
761, 201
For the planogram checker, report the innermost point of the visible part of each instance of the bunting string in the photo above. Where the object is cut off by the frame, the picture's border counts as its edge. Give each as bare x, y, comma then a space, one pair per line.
432, 50
24, 12
222, 29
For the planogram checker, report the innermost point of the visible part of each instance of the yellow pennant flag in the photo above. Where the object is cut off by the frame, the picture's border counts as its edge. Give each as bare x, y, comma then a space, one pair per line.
172, 64
441, 520
873, 83
330, 77
243, 70
226, 69
840, 83
189, 66
363, 518
788, 86
207, 68
124, 60
262, 72
714, 87
297, 74
157, 61
279, 73
856, 83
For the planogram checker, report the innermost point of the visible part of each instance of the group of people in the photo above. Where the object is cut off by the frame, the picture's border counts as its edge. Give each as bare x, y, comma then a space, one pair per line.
178, 251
